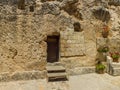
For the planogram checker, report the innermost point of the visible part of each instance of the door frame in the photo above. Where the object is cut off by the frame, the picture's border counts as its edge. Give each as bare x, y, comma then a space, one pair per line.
58, 45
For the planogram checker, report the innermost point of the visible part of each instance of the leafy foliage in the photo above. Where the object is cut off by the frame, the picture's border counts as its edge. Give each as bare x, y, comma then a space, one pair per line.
103, 49
115, 55
100, 67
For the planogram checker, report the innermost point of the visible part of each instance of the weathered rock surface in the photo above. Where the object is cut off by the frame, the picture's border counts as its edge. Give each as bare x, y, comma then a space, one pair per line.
23, 33
25, 75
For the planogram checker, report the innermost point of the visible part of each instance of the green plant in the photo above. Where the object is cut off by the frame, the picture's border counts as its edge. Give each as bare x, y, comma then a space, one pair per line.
115, 56
100, 67
103, 49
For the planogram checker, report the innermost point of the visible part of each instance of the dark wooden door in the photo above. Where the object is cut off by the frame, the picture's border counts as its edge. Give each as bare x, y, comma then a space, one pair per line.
52, 49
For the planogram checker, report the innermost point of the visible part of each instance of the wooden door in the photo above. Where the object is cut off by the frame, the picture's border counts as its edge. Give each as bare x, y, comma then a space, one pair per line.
52, 49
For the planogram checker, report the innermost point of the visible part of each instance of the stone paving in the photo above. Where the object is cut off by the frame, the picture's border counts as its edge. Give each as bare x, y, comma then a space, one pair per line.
81, 82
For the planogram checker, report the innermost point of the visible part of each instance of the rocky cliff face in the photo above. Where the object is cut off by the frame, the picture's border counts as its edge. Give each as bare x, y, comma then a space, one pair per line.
24, 30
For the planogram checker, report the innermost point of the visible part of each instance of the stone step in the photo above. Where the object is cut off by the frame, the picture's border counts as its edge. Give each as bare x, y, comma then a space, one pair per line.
116, 65
57, 76
57, 79
116, 71
51, 69
54, 64
56, 72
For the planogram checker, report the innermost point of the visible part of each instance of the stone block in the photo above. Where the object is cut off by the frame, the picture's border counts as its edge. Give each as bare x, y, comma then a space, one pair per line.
115, 65
101, 41
25, 75
4, 77
115, 71
113, 68
81, 70
62, 54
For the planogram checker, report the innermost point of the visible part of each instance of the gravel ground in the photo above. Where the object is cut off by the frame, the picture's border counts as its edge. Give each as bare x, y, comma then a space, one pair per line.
81, 82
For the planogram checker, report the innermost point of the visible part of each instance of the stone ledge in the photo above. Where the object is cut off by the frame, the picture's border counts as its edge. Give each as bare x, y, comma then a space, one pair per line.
115, 65
81, 70
116, 71
113, 68
25, 75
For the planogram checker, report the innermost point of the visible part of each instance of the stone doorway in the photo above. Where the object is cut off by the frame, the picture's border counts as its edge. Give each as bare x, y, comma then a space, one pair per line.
52, 49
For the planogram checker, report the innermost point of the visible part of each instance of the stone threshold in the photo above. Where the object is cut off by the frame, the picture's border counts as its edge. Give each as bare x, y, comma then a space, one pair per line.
33, 75
81, 70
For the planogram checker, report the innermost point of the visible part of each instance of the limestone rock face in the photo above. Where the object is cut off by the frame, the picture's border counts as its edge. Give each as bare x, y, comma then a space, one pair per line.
114, 2
23, 33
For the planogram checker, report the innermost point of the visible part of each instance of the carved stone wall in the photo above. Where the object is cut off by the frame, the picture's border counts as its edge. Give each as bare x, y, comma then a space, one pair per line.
23, 33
